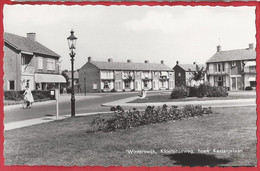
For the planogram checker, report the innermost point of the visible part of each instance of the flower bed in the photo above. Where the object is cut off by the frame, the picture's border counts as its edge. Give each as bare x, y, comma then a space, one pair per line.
134, 118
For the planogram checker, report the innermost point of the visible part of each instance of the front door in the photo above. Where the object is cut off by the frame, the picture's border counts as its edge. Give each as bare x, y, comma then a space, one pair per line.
236, 83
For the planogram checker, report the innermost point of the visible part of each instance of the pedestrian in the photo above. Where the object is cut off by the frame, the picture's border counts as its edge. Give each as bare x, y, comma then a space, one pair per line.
28, 97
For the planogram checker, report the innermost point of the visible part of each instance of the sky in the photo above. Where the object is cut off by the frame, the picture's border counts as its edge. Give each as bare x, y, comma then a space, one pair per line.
170, 33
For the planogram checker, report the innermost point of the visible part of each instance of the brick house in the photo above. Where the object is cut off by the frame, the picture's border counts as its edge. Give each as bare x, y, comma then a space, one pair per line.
27, 62
184, 74
235, 69
125, 76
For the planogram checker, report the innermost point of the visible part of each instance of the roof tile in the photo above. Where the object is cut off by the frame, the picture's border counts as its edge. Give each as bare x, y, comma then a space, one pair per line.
131, 66
233, 55
28, 45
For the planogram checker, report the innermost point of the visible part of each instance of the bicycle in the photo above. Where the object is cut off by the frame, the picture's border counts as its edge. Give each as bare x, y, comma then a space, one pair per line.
26, 103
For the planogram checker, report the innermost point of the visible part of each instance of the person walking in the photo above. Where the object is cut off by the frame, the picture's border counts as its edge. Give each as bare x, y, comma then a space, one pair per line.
28, 97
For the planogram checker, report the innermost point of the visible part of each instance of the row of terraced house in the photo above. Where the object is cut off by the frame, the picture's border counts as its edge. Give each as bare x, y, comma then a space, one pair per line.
27, 62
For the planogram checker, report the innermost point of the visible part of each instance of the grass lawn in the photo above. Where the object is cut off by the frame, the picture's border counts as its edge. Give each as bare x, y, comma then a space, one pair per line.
69, 142
165, 97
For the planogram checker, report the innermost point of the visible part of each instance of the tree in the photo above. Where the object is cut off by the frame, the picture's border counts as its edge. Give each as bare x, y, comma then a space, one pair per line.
64, 74
198, 74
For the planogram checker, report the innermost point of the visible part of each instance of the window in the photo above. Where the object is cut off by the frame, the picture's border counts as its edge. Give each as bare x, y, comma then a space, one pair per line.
50, 64
179, 74
40, 63
119, 85
136, 85
146, 84
233, 64
252, 69
218, 67
28, 83
171, 83
106, 85
146, 74
163, 83
220, 81
252, 83
127, 84
94, 86
11, 85
26, 59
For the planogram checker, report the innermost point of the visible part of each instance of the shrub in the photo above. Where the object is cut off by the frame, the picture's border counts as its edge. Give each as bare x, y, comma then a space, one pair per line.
113, 90
179, 92
18, 95
151, 115
217, 92
204, 90
248, 88
117, 108
193, 91
13, 95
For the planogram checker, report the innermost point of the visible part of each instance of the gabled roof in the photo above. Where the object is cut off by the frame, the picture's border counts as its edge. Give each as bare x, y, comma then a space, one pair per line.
27, 45
130, 66
189, 67
233, 55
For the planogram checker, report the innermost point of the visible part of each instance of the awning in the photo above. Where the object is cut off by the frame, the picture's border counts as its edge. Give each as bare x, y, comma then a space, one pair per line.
250, 63
49, 78
251, 79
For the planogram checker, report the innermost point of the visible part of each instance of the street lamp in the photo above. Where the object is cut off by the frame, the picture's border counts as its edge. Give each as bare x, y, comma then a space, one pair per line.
85, 90
72, 46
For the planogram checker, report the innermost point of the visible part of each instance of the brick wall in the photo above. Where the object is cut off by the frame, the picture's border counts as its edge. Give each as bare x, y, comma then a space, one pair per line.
44, 70
92, 77
11, 67
180, 75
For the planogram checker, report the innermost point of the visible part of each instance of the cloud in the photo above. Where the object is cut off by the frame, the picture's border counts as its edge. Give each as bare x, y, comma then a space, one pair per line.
153, 20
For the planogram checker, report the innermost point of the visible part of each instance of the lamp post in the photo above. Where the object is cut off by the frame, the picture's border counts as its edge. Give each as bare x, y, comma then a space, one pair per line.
85, 90
72, 46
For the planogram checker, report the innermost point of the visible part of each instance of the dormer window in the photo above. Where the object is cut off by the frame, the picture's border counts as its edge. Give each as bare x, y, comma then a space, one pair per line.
26, 59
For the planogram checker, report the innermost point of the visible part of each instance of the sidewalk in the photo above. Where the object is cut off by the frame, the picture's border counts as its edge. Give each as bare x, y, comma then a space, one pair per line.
212, 103
30, 122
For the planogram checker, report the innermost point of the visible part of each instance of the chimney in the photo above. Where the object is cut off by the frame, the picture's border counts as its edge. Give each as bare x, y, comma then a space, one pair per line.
89, 59
146, 61
31, 36
218, 48
251, 46
162, 61
129, 61
110, 60
177, 62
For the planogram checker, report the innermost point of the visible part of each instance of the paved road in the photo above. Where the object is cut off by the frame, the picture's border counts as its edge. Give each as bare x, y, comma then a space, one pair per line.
83, 105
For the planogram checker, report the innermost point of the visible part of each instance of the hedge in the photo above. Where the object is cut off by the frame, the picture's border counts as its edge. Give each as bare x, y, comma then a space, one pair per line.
179, 92
202, 90
18, 95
